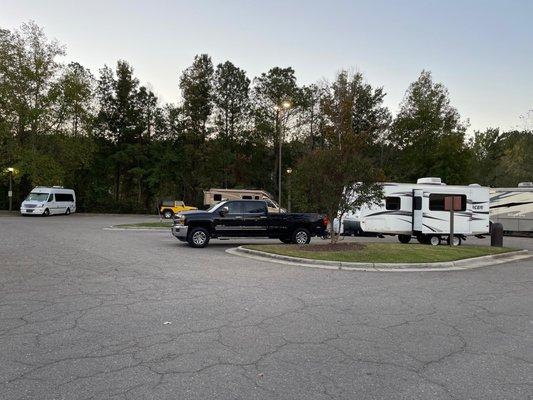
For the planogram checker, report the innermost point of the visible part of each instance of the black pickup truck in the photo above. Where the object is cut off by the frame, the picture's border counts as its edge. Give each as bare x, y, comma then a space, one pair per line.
246, 218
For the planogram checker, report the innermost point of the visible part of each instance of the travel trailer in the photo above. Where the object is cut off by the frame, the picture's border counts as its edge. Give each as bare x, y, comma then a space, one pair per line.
214, 196
513, 208
45, 201
418, 210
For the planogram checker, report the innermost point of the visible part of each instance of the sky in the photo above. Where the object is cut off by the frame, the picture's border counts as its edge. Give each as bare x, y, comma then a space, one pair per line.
481, 50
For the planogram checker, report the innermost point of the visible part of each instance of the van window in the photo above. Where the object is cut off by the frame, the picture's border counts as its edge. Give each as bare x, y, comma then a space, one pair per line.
64, 197
392, 203
436, 201
37, 197
217, 197
51, 197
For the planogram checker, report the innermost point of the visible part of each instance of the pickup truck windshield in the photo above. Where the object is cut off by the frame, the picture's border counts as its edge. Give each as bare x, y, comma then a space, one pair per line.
215, 206
37, 197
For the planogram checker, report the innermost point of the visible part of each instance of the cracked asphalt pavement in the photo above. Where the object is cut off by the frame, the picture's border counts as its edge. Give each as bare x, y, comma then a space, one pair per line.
87, 313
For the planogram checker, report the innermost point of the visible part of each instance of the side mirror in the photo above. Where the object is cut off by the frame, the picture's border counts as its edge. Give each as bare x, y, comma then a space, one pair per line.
223, 211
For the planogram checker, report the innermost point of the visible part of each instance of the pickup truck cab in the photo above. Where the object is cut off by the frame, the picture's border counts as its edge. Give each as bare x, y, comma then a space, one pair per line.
246, 218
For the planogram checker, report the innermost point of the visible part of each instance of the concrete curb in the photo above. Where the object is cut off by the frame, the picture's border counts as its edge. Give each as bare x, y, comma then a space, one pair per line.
116, 228
459, 265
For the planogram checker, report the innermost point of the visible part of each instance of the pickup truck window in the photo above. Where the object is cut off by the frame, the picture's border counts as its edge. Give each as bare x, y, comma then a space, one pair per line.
234, 207
254, 207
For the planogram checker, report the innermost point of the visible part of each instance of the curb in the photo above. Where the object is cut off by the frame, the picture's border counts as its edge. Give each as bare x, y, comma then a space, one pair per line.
459, 265
115, 228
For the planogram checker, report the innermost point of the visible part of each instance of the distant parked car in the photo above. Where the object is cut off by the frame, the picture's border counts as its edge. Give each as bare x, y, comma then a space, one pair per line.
45, 201
168, 208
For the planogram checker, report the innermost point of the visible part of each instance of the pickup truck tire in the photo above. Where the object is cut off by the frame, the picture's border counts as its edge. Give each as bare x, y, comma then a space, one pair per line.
198, 237
301, 236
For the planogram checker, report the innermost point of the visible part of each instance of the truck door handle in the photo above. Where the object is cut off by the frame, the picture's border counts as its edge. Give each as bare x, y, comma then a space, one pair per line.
263, 217
238, 217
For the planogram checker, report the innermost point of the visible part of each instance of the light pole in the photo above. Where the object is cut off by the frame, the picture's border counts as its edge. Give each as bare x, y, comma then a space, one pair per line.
284, 106
10, 192
289, 172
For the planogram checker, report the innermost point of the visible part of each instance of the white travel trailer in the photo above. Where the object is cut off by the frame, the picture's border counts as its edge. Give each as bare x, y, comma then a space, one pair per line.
410, 209
513, 208
45, 201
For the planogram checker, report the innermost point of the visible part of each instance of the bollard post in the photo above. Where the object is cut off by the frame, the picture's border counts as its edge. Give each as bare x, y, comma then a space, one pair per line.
496, 235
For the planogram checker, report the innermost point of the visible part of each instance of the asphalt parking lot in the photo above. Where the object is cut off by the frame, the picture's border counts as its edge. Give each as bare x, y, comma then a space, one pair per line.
88, 313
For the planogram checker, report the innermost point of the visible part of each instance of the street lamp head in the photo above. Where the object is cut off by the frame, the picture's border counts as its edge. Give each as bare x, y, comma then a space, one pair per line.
11, 169
289, 170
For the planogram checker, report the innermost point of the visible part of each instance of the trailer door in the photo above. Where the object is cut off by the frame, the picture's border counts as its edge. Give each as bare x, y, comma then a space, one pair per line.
418, 195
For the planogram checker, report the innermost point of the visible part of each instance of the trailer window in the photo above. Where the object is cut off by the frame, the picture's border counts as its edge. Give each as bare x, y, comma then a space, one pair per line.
246, 197
392, 203
436, 201
217, 197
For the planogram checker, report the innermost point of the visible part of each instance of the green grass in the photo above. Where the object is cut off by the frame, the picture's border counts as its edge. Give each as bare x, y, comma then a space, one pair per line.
164, 224
386, 252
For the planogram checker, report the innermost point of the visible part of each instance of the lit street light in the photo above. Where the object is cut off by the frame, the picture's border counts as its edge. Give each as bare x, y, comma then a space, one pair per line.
285, 105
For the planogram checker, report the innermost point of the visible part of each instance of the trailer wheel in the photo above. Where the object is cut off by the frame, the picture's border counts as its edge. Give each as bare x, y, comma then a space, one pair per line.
404, 238
456, 240
422, 239
434, 240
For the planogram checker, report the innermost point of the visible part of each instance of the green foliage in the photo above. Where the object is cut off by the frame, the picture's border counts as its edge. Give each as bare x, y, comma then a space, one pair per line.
109, 137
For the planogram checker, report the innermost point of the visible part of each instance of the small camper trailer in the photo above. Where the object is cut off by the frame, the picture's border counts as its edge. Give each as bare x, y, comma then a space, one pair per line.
418, 210
214, 196
513, 208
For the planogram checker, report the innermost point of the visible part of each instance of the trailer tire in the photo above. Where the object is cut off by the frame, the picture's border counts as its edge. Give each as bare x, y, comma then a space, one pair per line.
422, 239
301, 236
404, 238
456, 240
434, 240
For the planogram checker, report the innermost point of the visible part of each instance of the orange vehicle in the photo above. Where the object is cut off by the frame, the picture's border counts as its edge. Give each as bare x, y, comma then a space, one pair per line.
168, 208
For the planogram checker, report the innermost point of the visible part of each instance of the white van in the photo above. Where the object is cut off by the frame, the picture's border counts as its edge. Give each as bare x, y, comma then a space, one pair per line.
46, 201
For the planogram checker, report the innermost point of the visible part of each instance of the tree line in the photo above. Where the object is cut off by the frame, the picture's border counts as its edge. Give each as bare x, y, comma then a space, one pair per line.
110, 138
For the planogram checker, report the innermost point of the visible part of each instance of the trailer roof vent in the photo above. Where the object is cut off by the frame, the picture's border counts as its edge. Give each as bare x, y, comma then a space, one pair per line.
475, 185
525, 184
430, 181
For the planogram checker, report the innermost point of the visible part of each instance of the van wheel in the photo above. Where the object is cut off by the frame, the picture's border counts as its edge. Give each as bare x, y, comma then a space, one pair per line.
301, 236
46, 213
168, 214
434, 240
67, 212
198, 237
456, 240
404, 238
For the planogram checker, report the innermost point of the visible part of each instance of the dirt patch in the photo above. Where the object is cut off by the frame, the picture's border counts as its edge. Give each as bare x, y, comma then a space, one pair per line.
331, 247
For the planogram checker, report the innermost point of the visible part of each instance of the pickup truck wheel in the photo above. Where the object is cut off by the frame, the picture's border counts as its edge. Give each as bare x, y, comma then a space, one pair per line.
198, 237
301, 236
168, 214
